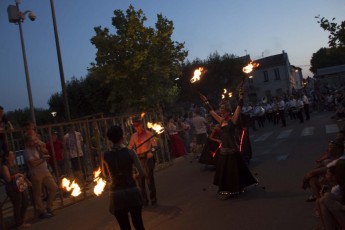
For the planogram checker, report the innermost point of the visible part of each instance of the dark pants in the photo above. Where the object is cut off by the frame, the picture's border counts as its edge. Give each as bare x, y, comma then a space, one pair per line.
148, 166
19, 203
123, 219
282, 117
306, 111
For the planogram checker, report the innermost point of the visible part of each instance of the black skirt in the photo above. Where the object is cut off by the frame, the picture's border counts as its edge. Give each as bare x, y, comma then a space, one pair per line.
209, 149
125, 198
232, 174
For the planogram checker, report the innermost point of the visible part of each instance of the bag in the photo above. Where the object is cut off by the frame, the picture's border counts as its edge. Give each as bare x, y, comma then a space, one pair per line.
20, 184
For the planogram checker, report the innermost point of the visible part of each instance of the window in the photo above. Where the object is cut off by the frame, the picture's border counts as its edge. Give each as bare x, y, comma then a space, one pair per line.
277, 74
265, 76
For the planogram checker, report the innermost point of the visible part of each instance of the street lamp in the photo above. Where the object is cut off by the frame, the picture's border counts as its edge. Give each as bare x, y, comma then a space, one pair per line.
18, 17
62, 76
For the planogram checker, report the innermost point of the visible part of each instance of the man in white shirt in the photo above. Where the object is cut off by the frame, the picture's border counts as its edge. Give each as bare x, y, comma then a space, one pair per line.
200, 125
306, 107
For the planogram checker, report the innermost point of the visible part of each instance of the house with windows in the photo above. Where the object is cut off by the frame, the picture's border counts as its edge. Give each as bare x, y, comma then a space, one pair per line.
274, 76
330, 77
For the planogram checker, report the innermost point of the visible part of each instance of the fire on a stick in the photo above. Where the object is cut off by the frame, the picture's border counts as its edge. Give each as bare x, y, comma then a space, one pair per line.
197, 74
156, 127
250, 67
100, 183
74, 187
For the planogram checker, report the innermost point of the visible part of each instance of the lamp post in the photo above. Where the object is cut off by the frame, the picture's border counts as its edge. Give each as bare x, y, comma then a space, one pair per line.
62, 77
18, 17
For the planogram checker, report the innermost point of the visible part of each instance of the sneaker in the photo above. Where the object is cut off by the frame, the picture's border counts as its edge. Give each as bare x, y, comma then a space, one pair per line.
45, 215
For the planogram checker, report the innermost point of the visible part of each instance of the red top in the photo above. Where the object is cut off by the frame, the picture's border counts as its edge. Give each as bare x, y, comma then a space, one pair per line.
58, 149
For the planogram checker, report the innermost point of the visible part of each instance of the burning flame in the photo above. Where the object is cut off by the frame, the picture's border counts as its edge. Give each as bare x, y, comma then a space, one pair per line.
226, 94
250, 67
142, 115
100, 183
156, 127
74, 187
197, 74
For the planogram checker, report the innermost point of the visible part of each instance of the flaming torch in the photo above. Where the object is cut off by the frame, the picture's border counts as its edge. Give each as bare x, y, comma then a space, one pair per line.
197, 74
156, 127
74, 187
248, 69
100, 183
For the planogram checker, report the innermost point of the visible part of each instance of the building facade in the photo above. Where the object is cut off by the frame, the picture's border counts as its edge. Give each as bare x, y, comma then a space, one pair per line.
274, 77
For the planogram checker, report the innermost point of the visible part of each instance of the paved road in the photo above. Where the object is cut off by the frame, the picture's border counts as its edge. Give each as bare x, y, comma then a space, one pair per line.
187, 198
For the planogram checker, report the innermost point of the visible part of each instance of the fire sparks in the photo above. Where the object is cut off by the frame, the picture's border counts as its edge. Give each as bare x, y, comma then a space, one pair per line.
74, 187
197, 74
250, 67
100, 183
156, 127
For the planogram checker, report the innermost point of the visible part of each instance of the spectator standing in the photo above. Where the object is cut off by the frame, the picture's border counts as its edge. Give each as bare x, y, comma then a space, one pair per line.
306, 107
40, 175
17, 195
73, 142
176, 142
200, 125
55, 150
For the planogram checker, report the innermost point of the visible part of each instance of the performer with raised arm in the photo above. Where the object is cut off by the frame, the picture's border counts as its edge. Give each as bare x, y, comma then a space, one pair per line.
232, 174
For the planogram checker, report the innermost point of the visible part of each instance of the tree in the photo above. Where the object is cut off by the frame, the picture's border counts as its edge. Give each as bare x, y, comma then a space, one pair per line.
337, 32
326, 57
335, 55
138, 63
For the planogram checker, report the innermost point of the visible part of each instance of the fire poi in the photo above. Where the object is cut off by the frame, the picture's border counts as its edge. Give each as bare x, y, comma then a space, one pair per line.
100, 183
75, 190
74, 187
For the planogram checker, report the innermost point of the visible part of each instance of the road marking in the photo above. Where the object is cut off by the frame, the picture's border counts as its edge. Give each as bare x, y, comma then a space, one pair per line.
284, 134
332, 128
263, 137
281, 157
307, 131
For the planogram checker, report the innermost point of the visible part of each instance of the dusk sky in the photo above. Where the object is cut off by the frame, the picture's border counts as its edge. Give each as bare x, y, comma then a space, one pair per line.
258, 28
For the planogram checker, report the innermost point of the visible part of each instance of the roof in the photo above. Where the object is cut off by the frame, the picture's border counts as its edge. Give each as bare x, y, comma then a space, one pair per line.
275, 60
330, 70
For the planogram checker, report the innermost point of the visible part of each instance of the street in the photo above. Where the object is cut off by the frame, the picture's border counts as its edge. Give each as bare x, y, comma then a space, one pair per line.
187, 199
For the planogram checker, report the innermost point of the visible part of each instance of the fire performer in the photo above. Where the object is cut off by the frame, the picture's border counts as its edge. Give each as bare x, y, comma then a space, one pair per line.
143, 142
124, 195
232, 174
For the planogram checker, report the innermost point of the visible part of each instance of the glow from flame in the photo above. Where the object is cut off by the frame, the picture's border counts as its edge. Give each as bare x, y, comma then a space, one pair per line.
156, 127
226, 94
142, 115
68, 186
197, 74
100, 183
250, 67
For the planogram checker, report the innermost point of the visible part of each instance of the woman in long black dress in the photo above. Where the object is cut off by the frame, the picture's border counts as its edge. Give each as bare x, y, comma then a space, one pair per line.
124, 195
232, 174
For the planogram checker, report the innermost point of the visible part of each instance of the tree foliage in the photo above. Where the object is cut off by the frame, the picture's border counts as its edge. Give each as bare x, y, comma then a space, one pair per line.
326, 57
138, 63
337, 32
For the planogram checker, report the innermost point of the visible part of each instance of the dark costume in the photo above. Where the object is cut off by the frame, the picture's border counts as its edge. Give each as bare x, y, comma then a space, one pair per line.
210, 152
232, 174
124, 195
